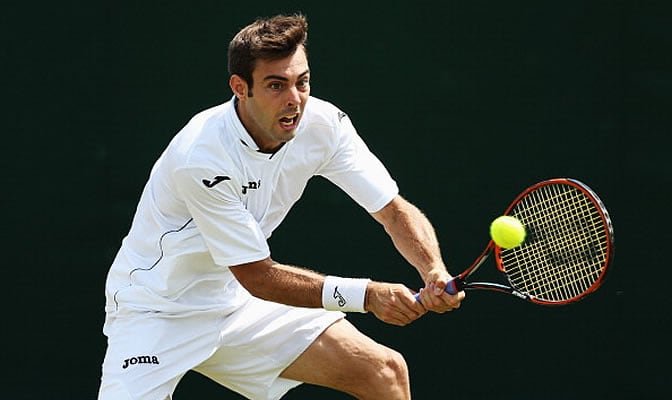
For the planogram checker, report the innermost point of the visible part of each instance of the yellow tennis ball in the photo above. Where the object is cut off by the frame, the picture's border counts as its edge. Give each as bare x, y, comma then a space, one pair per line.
507, 232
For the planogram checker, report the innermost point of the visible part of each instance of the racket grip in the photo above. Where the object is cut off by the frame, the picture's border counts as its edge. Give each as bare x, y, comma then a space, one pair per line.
453, 286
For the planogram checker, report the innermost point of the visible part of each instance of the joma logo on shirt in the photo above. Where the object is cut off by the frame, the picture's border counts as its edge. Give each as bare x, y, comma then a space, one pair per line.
215, 180
140, 360
251, 185
221, 178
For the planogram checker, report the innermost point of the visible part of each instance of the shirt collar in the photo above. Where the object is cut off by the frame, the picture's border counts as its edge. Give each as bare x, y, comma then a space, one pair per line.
244, 136
240, 130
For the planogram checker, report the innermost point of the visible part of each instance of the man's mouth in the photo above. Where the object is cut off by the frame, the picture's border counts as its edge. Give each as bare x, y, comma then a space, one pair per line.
289, 121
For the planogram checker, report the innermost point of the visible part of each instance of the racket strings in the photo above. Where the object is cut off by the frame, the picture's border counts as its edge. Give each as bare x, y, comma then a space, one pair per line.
564, 269
566, 248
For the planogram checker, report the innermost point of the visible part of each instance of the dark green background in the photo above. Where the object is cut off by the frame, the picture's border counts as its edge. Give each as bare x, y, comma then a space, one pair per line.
466, 102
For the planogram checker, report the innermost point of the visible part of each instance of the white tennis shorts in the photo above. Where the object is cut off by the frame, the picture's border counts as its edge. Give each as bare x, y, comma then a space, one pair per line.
246, 351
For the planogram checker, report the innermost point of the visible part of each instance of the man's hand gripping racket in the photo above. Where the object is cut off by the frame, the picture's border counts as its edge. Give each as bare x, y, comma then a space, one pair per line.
568, 247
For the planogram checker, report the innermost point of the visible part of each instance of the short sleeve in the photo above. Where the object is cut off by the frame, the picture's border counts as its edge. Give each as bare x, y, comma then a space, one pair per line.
230, 232
358, 172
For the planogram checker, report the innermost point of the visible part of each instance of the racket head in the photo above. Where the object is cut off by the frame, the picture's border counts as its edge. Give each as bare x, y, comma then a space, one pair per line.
569, 244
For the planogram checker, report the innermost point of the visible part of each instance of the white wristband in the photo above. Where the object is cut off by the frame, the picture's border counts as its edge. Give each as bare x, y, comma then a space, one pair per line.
344, 294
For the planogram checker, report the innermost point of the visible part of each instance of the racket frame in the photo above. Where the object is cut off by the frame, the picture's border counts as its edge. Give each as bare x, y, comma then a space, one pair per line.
460, 283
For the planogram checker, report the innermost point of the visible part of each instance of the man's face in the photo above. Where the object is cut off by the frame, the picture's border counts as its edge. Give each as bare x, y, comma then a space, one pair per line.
279, 95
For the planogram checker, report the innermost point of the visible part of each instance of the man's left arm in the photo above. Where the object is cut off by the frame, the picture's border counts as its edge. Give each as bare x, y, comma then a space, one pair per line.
414, 237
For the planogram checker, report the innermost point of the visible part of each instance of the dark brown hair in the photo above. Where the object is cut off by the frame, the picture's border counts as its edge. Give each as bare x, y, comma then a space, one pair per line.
266, 39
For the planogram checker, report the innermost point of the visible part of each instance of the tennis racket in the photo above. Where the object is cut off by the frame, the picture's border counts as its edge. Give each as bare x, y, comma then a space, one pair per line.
567, 250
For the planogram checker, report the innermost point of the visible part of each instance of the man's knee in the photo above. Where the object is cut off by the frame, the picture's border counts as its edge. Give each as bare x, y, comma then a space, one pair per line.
395, 370
387, 379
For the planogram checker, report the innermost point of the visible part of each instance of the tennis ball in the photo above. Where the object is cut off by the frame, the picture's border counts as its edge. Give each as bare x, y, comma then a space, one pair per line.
507, 232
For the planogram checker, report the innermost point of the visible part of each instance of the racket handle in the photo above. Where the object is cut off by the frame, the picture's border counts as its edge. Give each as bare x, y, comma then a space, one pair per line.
453, 286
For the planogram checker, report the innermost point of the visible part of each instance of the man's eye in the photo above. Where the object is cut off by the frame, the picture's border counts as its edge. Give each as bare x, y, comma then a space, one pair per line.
275, 85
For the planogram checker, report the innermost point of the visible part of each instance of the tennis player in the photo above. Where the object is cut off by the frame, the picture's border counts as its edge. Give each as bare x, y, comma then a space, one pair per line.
194, 287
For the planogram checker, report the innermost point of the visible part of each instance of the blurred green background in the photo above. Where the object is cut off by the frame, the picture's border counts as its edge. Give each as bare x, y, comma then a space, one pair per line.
466, 102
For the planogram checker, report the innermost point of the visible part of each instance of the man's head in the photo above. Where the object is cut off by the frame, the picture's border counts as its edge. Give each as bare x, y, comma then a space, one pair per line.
270, 78
266, 40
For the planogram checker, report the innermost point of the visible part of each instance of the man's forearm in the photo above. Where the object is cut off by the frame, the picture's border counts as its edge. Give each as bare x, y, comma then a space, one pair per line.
281, 283
412, 234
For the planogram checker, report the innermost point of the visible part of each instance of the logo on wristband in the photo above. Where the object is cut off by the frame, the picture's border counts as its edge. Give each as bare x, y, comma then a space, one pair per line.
338, 296
344, 294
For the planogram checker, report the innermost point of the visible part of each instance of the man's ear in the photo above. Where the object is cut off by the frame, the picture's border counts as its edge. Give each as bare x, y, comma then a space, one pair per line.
238, 86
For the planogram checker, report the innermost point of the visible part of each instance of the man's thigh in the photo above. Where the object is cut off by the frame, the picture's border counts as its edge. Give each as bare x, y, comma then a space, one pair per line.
339, 357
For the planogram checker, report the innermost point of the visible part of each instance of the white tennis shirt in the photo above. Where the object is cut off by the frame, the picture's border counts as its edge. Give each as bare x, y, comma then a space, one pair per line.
212, 200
